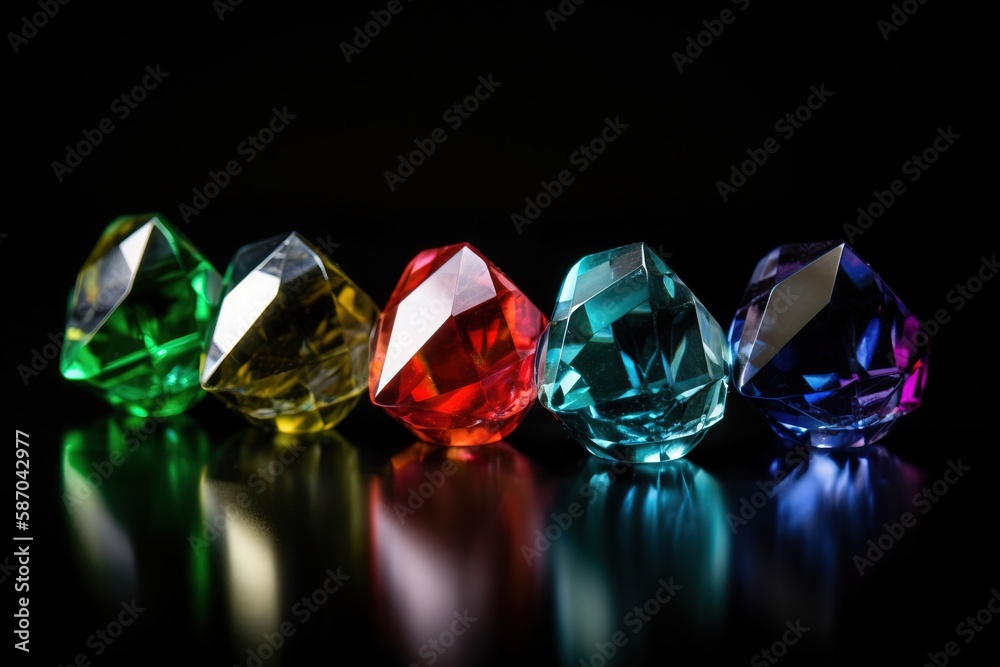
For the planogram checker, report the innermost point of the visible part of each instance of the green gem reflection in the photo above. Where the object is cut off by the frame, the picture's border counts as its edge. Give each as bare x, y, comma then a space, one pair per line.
129, 490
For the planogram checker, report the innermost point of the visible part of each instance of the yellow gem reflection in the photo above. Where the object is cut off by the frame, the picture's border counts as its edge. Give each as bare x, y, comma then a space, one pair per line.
278, 510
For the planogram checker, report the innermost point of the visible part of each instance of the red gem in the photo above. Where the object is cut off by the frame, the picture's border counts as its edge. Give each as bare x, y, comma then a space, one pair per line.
452, 354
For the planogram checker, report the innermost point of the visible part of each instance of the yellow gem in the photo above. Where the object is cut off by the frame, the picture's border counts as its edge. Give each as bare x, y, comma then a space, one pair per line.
288, 346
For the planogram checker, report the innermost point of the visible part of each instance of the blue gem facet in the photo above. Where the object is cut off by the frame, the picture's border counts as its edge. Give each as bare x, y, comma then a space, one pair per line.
825, 349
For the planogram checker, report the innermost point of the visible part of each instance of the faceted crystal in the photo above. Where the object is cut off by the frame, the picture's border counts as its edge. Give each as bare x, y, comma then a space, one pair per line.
824, 348
137, 317
288, 347
632, 363
453, 353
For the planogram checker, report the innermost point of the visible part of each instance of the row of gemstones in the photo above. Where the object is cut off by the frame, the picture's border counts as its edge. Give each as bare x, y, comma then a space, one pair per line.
632, 364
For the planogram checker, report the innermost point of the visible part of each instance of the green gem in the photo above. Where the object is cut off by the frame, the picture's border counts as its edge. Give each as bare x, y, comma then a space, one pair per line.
138, 315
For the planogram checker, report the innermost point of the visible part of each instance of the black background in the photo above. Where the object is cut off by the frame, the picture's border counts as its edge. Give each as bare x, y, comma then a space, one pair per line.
323, 176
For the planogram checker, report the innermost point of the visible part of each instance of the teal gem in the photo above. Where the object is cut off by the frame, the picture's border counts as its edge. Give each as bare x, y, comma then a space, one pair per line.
632, 363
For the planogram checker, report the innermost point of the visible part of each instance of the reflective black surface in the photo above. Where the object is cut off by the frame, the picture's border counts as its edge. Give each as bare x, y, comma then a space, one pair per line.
284, 548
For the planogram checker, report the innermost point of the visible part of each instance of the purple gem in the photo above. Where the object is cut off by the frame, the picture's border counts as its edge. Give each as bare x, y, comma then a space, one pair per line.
825, 349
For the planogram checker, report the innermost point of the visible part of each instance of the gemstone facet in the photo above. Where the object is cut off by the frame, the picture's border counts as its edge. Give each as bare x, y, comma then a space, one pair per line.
137, 317
632, 363
825, 349
452, 355
288, 346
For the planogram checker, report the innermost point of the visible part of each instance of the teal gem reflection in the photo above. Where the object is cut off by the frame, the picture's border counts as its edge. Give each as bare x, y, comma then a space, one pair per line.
631, 362
642, 530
